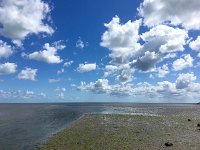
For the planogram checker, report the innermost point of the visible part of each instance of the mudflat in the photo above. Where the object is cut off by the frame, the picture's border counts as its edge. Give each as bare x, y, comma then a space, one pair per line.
128, 132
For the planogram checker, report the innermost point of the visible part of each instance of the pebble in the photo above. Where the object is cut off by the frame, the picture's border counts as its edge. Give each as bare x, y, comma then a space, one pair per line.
168, 144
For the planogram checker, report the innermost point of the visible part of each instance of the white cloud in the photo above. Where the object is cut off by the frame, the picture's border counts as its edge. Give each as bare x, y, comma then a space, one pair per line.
28, 94
121, 39
28, 74
165, 39
18, 95
53, 80
124, 74
48, 54
100, 86
166, 89
5, 49
80, 44
147, 61
183, 12
8, 68
182, 63
159, 42
183, 89
110, 69
86, 67
151, 76
61, 95
24, 17
61, 89
170, 55
18, 43
67, 64
62, 70
184, 80
163, 71
195, 45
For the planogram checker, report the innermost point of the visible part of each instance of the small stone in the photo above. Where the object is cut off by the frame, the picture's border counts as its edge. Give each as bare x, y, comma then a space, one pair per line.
168, 144
189, 120
198, 125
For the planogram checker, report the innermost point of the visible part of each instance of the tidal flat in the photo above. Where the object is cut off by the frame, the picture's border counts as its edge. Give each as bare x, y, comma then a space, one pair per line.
128, 132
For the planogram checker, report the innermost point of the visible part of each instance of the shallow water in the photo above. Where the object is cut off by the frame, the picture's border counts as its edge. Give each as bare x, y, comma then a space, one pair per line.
25, 126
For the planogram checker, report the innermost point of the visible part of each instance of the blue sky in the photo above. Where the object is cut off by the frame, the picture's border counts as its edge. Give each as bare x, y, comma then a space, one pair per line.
97, 51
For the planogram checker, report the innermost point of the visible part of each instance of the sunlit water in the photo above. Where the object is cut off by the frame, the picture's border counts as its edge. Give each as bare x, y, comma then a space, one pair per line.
25, 126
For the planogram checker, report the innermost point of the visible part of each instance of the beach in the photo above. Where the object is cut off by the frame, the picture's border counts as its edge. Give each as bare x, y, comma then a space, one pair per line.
128, 132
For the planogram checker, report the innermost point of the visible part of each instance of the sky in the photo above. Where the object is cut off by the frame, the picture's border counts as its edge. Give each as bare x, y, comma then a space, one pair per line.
144, 51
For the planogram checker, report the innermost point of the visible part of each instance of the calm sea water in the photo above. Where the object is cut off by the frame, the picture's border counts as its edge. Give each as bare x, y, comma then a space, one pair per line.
26, 126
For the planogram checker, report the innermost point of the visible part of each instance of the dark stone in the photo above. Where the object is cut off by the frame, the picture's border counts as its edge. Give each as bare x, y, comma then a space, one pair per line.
168, 144
198, 125
189, 120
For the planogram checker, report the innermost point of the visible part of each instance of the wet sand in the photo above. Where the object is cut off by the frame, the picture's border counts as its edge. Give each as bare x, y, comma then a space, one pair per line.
128, 132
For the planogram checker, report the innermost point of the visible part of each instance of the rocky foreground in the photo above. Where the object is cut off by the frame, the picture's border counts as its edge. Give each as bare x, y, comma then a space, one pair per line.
128, 132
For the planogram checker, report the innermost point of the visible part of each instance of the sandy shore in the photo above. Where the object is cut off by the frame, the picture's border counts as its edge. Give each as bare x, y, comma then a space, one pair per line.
127, 132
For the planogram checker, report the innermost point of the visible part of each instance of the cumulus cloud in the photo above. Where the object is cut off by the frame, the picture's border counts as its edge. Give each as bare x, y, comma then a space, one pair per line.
5, 50
184, 80
182, 63
8, 68
100, 86
195, 45
22, 18
160, 43
28, 74
125, 74
121, 39
162, 71
62, 70
183, 89
86, 67
170, 55
80, 44
67, 64
167, 89
147, 61
157, 12
48, 54
110, 69
18, 43
164, 39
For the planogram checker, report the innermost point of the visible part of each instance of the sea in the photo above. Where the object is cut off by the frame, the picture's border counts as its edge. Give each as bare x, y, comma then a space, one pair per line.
27, 126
